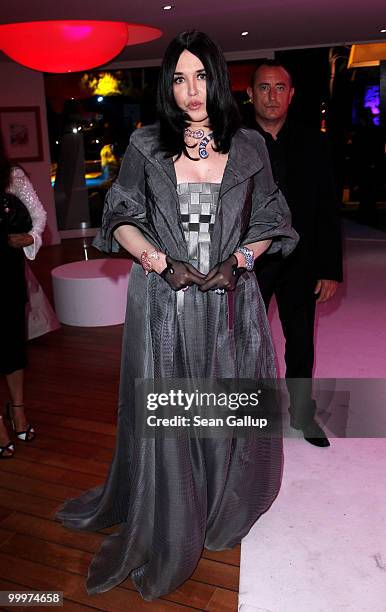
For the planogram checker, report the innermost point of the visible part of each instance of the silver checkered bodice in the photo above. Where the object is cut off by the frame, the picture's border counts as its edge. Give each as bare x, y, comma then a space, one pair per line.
198, 204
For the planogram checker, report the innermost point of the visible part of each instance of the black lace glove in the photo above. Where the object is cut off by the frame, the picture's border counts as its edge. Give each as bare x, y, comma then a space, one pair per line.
181, 275
224, 276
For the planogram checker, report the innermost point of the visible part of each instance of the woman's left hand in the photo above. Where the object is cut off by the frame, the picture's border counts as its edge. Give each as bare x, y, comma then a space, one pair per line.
223, 276
18, 241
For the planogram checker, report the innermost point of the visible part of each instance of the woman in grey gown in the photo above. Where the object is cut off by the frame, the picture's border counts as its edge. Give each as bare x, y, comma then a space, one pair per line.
194, 204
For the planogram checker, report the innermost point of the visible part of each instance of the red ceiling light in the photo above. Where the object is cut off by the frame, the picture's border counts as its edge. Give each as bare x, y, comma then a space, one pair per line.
70, 46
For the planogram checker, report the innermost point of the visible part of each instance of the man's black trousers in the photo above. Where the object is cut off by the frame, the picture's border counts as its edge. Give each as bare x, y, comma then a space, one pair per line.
293, 286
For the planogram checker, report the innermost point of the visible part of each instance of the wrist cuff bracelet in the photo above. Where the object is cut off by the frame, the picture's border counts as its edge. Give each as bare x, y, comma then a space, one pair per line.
248, 256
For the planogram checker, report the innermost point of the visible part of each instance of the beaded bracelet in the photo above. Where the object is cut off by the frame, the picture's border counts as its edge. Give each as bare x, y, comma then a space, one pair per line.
248, 256
146, 260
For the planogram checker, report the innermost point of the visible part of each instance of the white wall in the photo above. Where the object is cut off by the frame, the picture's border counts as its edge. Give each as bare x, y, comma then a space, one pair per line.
24, 87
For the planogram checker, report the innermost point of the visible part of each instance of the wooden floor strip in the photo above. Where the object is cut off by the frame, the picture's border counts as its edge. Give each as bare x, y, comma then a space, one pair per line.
50, 531
57, 433
34, 575
231, 556
48, 474
58, 459
75, 449
36, 487
74, 423
28, 548
29, 504
68, 606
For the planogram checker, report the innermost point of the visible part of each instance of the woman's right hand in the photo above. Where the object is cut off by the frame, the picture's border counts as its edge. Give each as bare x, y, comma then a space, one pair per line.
181, 275
18, 241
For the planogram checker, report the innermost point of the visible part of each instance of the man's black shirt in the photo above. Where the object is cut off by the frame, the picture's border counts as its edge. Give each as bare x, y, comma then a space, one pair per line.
301, 166
278, 153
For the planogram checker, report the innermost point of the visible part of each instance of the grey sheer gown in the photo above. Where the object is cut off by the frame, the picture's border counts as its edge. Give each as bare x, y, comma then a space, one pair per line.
174, 496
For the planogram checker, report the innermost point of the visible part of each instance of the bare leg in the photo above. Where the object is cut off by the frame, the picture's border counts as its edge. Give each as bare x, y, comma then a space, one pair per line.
15, 382
4, 438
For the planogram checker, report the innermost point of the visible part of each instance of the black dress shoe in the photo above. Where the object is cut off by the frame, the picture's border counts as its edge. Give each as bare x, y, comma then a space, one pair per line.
315, 435
312, 433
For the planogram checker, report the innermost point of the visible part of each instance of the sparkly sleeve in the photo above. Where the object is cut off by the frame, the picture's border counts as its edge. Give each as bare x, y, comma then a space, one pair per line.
22, 187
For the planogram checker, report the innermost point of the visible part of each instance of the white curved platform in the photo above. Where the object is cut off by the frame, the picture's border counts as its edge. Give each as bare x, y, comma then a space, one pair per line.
91, 293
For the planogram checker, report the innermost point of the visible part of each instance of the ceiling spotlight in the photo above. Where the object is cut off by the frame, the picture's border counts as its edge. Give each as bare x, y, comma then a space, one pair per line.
383, 31
100, 99
244, 33
167, 7
74, 131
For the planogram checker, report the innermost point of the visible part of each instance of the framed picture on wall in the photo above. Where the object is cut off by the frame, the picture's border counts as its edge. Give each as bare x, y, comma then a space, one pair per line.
21, 132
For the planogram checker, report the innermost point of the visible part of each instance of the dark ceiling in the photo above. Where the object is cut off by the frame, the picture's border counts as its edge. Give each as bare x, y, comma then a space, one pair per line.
272, 24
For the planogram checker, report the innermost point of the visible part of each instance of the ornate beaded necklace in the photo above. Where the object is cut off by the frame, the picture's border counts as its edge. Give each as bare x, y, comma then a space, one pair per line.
194, 133
197, 134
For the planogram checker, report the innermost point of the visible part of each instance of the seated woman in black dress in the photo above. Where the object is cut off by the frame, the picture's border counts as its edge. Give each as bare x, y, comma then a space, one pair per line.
194, 204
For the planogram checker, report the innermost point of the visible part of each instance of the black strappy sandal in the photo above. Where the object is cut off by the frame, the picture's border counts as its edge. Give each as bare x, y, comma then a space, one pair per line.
8, 448
25, 436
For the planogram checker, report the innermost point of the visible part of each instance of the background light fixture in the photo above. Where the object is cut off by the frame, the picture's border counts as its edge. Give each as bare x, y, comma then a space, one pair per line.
367, 55
71, 45
244, 33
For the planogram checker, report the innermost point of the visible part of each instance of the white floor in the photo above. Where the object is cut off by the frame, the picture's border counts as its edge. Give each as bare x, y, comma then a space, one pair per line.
322, 545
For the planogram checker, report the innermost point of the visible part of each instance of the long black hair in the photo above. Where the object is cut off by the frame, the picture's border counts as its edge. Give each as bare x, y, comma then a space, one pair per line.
221, 107
5, 167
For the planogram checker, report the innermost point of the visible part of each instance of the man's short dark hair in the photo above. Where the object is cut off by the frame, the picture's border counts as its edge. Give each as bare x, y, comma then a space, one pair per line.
271, 63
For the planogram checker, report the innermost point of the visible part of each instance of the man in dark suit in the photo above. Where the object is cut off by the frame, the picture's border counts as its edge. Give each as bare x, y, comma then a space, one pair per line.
301, 166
